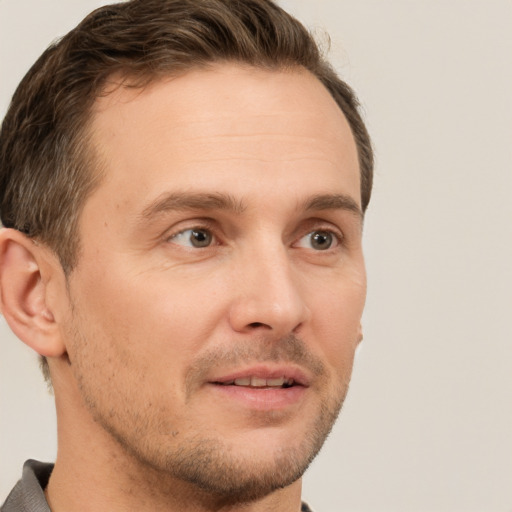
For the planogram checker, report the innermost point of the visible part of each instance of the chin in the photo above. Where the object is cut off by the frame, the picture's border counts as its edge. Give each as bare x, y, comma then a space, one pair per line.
229, 476
241, 467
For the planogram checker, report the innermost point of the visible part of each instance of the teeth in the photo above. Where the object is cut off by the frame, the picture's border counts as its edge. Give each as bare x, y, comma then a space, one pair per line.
257, 382
275, 382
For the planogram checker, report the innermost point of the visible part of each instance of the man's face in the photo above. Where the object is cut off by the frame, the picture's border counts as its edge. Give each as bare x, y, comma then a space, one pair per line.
216, 305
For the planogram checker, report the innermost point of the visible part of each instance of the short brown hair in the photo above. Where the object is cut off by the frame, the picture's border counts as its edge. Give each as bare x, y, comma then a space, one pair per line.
46, 165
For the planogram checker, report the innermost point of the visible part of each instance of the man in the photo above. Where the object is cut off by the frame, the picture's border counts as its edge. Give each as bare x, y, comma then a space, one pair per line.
183, 188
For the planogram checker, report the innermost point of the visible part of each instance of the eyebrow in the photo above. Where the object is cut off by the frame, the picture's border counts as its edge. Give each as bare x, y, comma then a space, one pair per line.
176, 201
333, 202
192, 201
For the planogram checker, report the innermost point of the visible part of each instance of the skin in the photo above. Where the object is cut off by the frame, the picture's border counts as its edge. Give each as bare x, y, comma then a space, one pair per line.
262, 164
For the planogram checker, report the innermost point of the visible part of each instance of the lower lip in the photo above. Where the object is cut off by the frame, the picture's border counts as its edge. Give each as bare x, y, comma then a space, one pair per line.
261, 399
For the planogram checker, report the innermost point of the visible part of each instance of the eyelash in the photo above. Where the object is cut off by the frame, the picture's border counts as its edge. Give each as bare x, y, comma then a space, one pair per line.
196, 229
337, 235
201, 225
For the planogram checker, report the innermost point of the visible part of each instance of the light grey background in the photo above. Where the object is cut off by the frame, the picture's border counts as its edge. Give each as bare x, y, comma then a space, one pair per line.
428, 423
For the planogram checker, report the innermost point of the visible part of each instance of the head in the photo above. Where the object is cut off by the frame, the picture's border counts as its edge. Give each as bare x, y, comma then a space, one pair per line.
128, 61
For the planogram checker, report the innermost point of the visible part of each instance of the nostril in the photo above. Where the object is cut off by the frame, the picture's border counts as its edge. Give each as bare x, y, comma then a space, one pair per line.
256, 324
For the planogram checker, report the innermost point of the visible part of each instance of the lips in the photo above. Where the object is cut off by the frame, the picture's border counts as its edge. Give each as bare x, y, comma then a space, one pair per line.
258, 382
262, 388
264, 377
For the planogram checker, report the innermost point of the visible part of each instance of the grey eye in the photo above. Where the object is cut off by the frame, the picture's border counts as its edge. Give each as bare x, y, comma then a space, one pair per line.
319, 240
195, 237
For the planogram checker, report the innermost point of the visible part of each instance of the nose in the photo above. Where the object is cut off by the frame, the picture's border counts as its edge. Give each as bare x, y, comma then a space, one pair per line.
268, 297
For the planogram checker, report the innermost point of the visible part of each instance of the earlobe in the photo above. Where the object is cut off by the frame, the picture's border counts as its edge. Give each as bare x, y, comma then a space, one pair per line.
23, 294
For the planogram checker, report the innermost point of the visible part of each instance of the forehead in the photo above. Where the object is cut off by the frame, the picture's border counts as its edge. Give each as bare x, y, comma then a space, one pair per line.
208, 126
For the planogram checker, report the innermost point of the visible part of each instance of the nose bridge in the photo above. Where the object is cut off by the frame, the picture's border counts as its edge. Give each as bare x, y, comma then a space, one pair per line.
268, 292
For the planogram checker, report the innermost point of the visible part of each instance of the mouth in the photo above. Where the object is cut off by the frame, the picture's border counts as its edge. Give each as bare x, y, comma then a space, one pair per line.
260, 382
264, 376
261, 390
263, 387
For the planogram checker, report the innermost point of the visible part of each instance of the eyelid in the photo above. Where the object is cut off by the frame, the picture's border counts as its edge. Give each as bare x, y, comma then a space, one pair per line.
317, 224
337, 237
191, 224
211, 225
322, 226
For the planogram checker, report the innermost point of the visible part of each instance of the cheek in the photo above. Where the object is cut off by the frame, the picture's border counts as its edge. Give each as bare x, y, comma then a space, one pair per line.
148, 324
336, 319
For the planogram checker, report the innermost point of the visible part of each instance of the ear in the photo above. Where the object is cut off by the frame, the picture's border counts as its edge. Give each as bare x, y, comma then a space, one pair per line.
360, 334
359, 345
25, 270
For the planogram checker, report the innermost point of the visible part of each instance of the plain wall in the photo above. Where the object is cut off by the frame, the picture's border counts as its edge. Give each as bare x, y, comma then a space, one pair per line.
427, 425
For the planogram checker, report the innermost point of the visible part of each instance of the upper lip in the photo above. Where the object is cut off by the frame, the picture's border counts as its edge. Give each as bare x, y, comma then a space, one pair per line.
298, 375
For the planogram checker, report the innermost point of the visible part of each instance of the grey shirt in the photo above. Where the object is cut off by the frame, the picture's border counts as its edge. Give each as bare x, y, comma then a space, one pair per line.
28, 494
